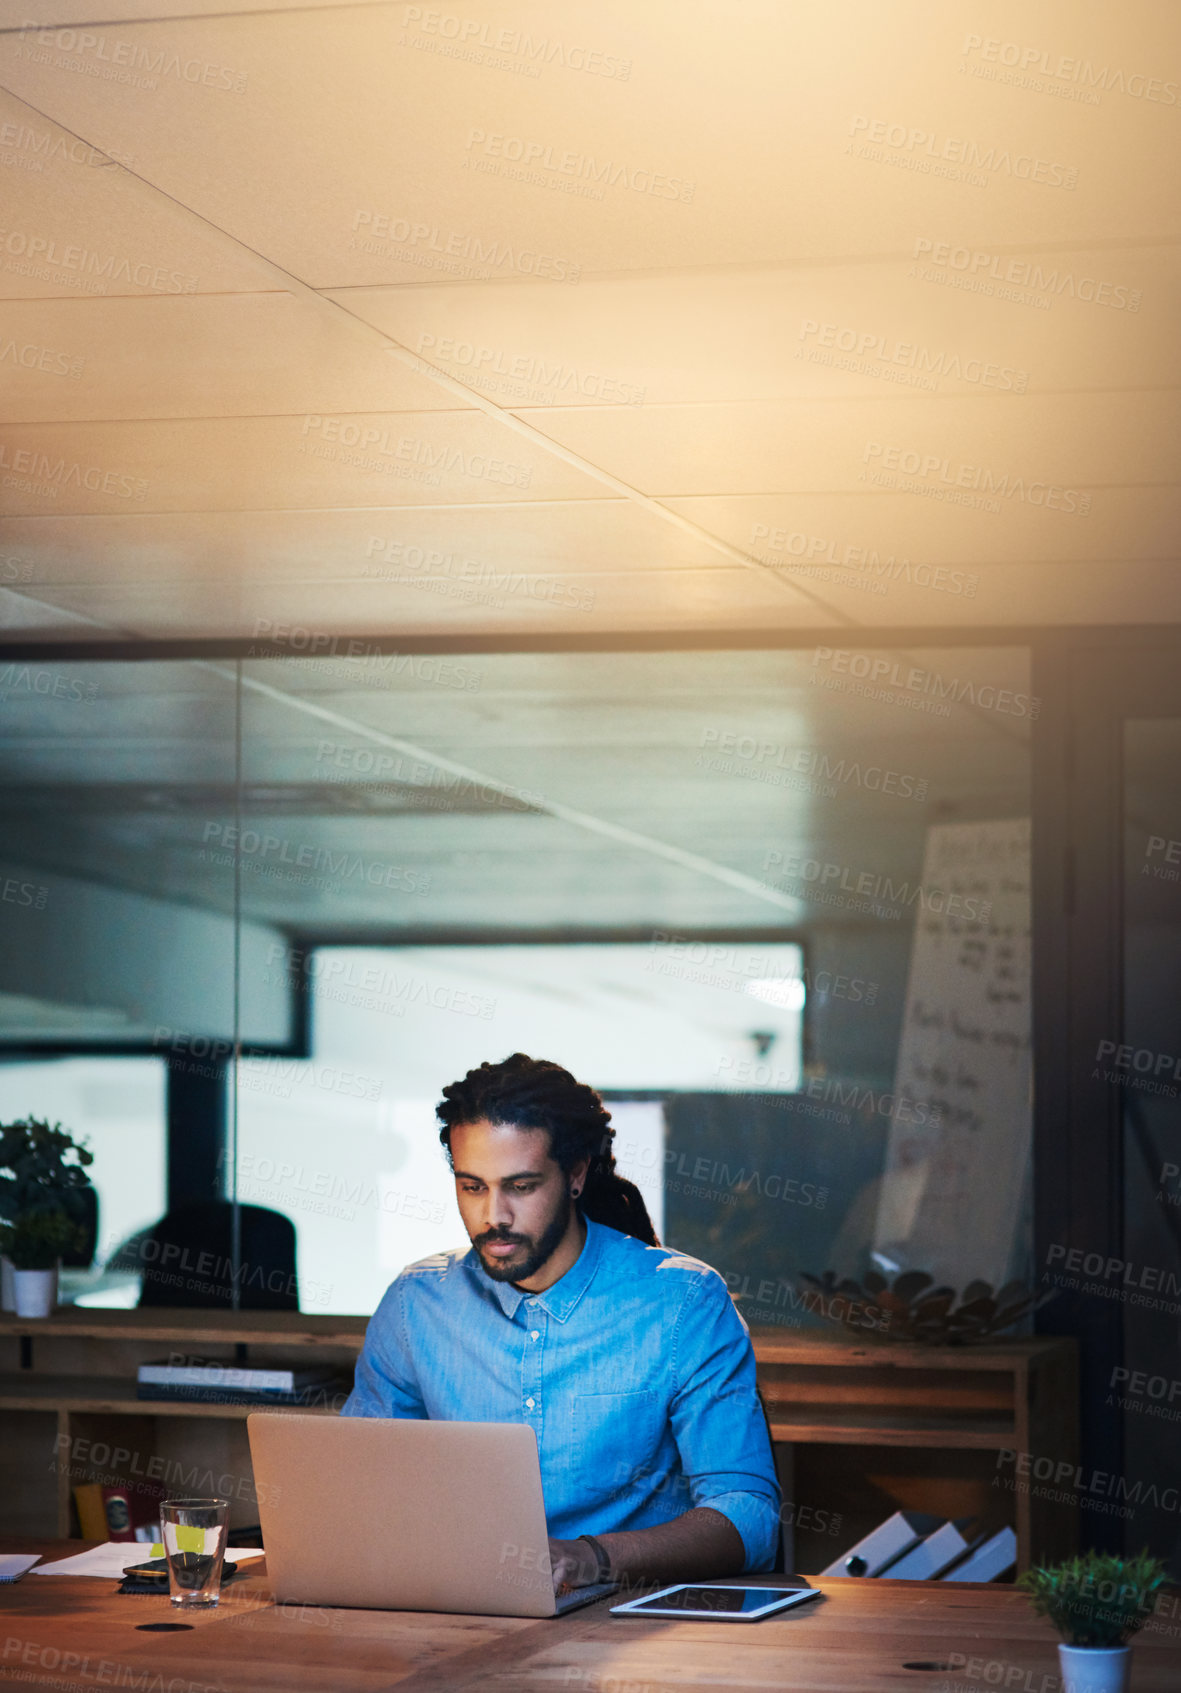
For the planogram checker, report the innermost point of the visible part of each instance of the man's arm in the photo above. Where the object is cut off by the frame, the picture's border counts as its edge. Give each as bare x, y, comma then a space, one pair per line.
385, 1384
699, 1545
730, 1485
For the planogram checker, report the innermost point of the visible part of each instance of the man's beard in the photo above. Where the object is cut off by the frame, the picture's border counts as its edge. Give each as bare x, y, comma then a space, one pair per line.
537, 1252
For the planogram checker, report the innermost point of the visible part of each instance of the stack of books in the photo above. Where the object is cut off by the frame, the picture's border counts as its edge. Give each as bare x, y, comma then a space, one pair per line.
910, 1546
219, 1382
118, 1511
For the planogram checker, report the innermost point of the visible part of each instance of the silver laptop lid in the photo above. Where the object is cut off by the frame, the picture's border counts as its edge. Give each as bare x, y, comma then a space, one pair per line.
392, 1514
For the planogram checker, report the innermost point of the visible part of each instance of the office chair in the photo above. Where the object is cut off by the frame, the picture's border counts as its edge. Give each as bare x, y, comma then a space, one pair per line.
187, 1258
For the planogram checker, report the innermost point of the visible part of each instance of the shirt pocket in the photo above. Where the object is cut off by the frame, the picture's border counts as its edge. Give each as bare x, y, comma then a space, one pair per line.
614, 1439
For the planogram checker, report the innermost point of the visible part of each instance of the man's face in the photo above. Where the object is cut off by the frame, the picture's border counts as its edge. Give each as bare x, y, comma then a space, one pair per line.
513, 1198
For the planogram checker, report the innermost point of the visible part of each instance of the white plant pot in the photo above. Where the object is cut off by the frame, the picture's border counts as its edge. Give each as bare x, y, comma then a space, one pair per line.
36, 1292
1095, 1669
7, 1286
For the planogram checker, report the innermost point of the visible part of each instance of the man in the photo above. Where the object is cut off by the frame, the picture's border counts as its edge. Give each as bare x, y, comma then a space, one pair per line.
628, 1360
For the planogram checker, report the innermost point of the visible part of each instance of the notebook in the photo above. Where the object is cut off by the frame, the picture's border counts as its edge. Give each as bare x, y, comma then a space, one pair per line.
14, 1564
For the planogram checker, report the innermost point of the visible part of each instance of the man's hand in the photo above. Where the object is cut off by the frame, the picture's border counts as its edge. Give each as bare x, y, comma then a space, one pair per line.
573, 1564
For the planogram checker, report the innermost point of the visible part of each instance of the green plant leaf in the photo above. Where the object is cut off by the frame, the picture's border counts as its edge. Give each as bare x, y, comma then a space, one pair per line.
1095, 1599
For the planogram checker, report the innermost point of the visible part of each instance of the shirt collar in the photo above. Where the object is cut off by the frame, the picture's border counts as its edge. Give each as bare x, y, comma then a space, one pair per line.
559, 1300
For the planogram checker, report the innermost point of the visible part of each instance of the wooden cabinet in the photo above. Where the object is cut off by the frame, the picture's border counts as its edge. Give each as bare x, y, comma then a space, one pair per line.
977, 1431
69, 1411
860, 1428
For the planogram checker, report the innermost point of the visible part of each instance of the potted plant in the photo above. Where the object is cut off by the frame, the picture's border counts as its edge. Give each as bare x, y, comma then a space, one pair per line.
1096, 1603
35, 1243
43, 1171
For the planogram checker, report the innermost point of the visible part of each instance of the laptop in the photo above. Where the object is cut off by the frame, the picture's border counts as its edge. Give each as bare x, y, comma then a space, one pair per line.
391, 1514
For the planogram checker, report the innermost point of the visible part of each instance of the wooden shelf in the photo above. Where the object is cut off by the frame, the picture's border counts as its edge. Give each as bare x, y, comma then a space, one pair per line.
303, 1328
837, 1351
855, 1428
205, 1328
36, 1392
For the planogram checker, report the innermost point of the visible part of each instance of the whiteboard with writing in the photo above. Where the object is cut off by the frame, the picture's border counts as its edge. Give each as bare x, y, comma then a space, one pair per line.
954, 1187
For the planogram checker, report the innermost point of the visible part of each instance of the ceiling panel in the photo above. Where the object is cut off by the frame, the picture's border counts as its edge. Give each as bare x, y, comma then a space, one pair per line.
1098, 593
478, 545
670, 599
912, 527
199, 355
938, 319
760, 447
14, 14
362, 459
79, 223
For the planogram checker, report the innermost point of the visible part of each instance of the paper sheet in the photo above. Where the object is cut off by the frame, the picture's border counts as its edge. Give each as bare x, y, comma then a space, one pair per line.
111, 1559
951, 1195
14, 1564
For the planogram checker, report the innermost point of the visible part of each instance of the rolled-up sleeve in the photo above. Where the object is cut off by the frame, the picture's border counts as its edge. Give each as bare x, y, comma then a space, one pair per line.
385, 1383
718, 1422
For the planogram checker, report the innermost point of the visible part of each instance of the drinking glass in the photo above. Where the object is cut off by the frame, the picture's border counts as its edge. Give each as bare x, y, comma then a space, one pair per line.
194, 1544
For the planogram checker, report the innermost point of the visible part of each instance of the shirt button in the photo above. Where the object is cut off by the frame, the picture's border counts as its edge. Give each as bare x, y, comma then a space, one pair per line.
535, 1334
530, 1403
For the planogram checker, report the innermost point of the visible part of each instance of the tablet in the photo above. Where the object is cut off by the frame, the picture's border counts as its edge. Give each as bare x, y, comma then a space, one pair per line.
719, 1604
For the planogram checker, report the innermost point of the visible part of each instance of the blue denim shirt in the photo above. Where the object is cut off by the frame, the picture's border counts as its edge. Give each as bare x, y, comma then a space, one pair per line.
634, 1371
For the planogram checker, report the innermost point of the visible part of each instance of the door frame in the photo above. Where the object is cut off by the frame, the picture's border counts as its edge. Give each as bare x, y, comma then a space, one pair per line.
1091, 687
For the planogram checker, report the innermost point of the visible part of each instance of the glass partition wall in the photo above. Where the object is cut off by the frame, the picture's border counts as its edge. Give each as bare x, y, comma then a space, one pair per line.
774, 904
118, 939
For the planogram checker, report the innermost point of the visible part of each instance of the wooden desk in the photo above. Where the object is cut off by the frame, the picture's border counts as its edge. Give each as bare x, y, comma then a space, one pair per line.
861, 1637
